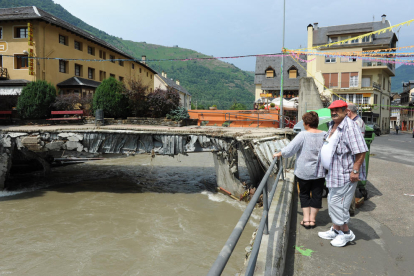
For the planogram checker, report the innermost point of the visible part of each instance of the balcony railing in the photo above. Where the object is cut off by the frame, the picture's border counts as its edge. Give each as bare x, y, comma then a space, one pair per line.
378, 63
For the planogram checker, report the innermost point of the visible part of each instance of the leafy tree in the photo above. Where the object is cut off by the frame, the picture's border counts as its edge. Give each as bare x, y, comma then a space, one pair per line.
137, 95
36, 100
238, 106
109, 96
161, 102
73, 101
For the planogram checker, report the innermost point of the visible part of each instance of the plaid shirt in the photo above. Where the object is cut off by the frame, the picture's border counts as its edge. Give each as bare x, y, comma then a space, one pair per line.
350, 142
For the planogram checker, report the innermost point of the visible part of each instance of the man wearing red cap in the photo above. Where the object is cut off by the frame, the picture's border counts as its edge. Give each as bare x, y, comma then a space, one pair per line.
340, 161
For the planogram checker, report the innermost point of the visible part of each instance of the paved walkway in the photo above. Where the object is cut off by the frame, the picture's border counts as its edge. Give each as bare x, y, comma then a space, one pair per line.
384, 225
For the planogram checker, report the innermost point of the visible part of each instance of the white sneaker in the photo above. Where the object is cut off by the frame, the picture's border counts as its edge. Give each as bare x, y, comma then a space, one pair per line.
342, 239
328, 235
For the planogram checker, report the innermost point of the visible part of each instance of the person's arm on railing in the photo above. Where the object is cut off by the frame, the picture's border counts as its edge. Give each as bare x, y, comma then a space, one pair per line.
292, 148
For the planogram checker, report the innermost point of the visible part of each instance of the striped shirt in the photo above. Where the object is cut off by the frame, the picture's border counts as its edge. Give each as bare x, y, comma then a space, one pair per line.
349, 142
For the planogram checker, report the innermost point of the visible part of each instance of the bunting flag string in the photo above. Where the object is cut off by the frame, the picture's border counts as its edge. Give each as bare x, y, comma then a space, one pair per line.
345, 41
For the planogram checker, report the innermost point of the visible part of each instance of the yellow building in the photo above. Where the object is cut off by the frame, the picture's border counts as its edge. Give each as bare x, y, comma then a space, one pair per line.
30, 31
364, 82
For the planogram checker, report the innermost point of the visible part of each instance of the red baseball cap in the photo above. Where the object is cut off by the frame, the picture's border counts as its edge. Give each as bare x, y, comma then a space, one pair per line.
338, 103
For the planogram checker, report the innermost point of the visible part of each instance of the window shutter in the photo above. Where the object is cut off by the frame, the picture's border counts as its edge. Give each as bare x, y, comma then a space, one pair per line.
344, 80
334, 79
293, 74
269, 74
326, 78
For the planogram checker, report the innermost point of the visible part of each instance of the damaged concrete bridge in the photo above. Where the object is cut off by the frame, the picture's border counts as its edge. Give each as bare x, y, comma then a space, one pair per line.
41, 142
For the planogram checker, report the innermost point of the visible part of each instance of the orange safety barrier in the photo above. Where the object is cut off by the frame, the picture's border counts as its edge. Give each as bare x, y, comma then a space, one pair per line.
239, 118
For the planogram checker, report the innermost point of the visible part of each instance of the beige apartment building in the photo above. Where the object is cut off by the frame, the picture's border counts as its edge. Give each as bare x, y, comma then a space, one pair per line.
364, 82
27, 32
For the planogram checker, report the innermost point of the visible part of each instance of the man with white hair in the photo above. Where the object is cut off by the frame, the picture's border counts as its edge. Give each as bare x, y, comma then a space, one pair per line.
352, 113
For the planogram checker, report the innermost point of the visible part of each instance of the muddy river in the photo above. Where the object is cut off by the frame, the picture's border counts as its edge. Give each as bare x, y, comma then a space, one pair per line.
134, 215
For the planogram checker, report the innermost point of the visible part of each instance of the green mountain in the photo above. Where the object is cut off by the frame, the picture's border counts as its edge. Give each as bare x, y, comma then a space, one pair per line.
403, 73
209, 82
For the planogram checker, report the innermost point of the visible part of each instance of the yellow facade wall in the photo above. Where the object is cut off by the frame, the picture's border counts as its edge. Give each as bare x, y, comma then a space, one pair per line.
46, 45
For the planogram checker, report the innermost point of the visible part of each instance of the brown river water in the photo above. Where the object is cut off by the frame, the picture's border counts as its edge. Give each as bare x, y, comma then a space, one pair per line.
134, 215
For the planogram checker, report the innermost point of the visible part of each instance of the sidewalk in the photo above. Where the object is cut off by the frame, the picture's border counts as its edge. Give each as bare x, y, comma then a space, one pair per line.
368, 254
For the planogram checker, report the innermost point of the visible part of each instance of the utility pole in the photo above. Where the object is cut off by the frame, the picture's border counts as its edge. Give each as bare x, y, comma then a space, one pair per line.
281, 118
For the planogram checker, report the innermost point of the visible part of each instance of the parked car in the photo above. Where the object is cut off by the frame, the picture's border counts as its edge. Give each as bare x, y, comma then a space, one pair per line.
377, 129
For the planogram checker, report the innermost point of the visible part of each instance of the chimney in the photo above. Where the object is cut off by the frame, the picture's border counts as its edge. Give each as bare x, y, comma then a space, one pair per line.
143, 59
162, 73
177, 82
165, 75
315, 26
383, 18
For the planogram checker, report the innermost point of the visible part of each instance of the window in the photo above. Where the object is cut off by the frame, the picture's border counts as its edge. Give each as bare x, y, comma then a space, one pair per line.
270, 73
78, 70
333, 39
345, 37
150, 76
63, 39
353, 41
91, 73
102, 54
1, 32
21, 62
112, 58
121, 78
111, 75
62, 66
91, 50
353, 82
348, 59
140, 70
366, 39
121, 62
78, 45
102, 75
133, 66
293, 74
365, 100
20, 32
330, 59
366, 82
331, 79
375, 99
358, 99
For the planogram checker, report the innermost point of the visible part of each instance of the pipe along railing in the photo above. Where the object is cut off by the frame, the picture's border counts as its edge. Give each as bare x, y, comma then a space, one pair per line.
228, 248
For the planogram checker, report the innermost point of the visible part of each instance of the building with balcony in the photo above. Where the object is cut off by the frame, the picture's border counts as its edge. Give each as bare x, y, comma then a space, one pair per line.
366, 83
267, 77
27, 32
395, 110
407, 103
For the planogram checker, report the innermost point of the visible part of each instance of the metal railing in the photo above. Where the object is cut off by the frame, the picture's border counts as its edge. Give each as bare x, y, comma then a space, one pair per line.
228, 248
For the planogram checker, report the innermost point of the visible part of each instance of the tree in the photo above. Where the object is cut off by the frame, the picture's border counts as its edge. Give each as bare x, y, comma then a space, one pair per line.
161, 102
238, 106
136, 93
36, 100
109, 96
73, 101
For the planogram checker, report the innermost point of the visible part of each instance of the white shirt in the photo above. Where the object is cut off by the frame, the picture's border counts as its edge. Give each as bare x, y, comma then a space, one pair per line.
327, 149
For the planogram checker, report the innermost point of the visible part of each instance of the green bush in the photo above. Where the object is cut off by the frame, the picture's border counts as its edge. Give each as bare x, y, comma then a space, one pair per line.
272, 104
36, 100
178, 114
109, 96
261, 107
238, 106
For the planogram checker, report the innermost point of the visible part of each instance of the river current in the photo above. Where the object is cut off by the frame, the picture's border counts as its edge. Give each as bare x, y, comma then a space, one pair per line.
135, 215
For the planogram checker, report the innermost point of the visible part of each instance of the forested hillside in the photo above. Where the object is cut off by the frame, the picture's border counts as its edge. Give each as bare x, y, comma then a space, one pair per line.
209, 82
403, 73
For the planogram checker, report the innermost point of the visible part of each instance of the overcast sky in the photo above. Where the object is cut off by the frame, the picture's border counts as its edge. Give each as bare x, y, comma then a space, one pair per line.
233, 27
